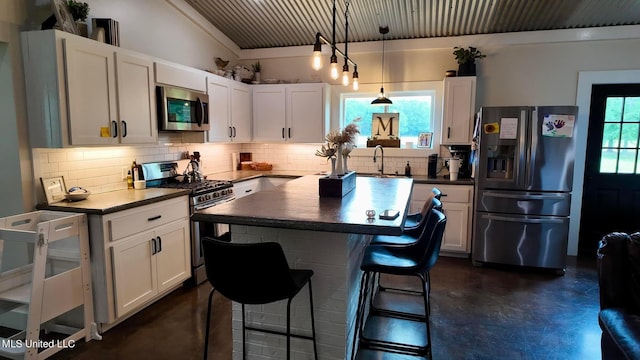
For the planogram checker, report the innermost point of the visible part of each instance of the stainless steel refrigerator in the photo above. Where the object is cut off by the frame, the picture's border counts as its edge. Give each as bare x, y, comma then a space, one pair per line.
524, 177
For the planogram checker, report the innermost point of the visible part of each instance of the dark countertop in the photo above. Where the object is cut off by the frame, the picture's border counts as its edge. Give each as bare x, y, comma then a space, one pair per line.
297, 205
243, 175
113, 201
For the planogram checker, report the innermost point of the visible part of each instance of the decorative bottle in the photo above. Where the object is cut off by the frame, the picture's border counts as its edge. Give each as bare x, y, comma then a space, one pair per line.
407, 170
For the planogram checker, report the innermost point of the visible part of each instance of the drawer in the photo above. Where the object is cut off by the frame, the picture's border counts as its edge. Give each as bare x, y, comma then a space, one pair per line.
454, 193
133, 221
248, 187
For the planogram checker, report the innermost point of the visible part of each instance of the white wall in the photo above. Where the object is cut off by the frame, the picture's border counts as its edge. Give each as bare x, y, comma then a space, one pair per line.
15, 155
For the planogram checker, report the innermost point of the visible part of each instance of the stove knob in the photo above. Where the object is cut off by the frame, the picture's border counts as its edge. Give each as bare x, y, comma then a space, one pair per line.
223, 192
215, 195
209, 197
200, 198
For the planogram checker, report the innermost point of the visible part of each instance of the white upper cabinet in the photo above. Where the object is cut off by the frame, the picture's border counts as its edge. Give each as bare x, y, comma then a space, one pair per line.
296, 113
458, 110
241, 111
229, 110
269, 113
82, 92
136, 102
91, 77
180, 76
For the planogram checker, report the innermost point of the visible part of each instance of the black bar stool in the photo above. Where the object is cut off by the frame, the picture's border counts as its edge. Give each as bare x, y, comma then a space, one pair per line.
411, 234
256, 273
416, 259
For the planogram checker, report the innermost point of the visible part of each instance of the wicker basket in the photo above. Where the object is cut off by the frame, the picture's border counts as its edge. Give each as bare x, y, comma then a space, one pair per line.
263, 166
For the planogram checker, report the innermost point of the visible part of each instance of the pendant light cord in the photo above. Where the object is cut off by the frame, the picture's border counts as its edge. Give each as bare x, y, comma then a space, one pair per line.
382, 76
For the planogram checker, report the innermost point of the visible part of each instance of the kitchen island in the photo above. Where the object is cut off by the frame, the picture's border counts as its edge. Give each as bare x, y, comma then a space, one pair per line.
327, 235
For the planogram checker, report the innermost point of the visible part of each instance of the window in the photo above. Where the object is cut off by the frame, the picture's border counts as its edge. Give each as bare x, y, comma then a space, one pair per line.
620, 136
416, 111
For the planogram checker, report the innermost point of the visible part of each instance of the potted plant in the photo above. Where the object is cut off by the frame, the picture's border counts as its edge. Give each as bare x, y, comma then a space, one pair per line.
79, 11
256, 70
466, 59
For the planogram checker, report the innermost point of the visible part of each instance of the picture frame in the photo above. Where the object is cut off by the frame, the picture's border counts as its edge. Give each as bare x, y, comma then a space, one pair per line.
54, 189
385, 126
63, 16
424, 139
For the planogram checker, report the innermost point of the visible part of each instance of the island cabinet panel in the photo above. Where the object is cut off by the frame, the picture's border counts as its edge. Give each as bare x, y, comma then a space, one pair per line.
458, 110
82, 92
138, 262
296, 113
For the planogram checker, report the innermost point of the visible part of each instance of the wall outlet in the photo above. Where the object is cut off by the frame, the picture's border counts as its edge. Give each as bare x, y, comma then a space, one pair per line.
125, 172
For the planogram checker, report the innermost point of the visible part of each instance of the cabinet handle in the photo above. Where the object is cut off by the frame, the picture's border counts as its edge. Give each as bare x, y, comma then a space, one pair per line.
234, 131
448, 132
154, 218
248, 191
159, 244
153, 246
289, 133
283, 133
443, 195
230, 132
124, 128
114, 126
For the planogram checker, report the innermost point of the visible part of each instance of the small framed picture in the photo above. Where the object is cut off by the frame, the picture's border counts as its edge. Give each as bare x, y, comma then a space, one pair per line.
424, 139
54, 189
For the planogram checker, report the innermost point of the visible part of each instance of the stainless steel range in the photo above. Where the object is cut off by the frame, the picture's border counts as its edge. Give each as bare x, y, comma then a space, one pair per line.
204, 194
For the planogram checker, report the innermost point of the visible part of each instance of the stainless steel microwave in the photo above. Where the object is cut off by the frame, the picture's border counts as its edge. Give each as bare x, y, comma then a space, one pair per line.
182, 109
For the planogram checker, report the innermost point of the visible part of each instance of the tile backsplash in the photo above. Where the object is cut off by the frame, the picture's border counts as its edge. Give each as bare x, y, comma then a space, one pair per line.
100, 169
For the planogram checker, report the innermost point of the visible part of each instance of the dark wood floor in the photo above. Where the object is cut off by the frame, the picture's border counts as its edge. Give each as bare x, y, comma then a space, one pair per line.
476, 313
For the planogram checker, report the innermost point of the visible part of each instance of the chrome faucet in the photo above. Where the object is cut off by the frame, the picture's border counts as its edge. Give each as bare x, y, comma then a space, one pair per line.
375, 151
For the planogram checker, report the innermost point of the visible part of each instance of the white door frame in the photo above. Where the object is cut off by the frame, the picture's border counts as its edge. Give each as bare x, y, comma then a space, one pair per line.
586, 79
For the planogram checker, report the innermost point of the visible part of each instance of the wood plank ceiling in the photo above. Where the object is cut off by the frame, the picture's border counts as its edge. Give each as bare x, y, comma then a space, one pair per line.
253, 24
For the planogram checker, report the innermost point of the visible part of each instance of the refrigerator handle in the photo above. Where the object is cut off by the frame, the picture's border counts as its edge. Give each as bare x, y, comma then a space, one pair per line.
523, 220
535, 129
521, 169
549, 196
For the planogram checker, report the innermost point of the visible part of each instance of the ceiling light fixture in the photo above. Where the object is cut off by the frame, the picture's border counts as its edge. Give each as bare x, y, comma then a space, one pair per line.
382, 99
333, 62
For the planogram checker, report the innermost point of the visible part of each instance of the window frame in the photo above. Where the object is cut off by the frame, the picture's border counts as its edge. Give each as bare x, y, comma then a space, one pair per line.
421, 88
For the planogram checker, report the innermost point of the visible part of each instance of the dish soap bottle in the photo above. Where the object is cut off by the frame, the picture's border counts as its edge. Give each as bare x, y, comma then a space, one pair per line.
407, 170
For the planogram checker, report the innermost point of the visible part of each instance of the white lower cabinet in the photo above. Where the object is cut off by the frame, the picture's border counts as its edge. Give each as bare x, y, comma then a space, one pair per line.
457, 204
133, 268
147, 264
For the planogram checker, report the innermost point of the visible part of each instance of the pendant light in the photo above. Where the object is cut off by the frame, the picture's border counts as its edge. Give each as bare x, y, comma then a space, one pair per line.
334, 72
382, 99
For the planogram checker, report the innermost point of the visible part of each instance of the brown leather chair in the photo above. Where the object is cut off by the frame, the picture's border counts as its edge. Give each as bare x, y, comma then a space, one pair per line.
619, 282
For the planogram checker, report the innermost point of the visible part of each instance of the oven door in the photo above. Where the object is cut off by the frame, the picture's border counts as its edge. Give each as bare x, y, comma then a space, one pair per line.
200, 229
